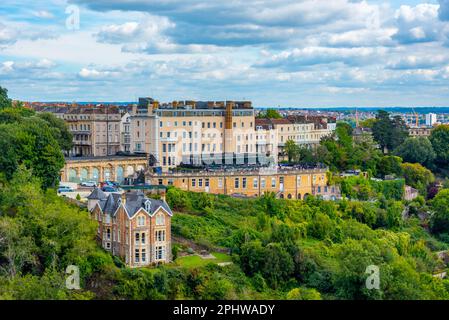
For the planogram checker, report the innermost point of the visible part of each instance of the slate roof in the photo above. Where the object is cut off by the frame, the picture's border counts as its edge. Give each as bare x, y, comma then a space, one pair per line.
97, 194
135, 200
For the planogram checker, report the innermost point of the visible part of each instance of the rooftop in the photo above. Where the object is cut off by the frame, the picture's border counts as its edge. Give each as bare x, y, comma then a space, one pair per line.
238, 170
134, 201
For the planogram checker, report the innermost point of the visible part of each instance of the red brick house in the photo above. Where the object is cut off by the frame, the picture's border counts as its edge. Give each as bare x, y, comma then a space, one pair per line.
133, 227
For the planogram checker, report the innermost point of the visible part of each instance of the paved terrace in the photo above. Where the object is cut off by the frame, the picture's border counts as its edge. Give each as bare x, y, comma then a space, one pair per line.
105, 158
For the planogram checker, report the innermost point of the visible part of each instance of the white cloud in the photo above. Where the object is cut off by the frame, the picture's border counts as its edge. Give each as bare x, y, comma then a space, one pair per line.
44, 14
417, 24
7, 35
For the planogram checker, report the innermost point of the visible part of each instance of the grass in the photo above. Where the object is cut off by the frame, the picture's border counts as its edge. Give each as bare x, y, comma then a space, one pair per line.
195, 261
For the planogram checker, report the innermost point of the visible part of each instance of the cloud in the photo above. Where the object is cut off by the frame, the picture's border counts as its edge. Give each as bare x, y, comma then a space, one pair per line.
146, 36
418, 62
298, 58
7, 35
245, 22
29, 70
94, 74
44, 14
417, 24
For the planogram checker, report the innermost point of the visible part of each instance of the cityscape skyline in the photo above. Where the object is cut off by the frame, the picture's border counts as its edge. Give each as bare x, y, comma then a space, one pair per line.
285, 53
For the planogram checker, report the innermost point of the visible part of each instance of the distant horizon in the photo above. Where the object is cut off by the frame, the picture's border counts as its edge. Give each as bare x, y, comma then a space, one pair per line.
256, 107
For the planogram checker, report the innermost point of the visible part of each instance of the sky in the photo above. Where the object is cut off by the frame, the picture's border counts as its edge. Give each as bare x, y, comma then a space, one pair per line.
288, 53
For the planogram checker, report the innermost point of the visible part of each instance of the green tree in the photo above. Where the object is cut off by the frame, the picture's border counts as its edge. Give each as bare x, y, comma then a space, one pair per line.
60, 130
368, 123
303, 294
439, 220
292, 150
416, 150
5, 102
278, 264
440, 143
178, 200
388, 165
417, 176
270, 114
389, 133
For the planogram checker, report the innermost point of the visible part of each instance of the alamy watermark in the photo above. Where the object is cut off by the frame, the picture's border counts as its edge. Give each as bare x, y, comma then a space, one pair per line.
72, 22
373, 280
72, 282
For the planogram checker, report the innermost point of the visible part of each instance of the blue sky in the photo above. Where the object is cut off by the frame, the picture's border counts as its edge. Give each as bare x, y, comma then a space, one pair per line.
307, 53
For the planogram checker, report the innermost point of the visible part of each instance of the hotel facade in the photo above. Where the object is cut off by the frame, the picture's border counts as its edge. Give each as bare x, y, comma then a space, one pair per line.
199, 133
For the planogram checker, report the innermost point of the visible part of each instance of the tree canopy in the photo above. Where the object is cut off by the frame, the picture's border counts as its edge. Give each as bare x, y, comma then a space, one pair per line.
416, 150
270, 114
440, 143
34, 141
388, 132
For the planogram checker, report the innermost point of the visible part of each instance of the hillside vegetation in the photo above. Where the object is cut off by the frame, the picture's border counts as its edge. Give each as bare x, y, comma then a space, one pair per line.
280, 249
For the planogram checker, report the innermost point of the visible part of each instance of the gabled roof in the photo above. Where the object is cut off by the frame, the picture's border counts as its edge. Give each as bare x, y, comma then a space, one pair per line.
97, 194
135, 201
112, 203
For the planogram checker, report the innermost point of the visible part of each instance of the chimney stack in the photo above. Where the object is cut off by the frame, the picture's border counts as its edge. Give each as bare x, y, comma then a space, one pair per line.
123, 197
163, 196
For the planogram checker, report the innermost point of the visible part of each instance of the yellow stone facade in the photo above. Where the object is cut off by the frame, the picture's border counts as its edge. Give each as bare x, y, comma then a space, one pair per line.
101, 168
288, 184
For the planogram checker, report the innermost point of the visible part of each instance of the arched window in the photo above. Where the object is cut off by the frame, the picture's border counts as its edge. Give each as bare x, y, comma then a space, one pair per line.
299, 196
289, 196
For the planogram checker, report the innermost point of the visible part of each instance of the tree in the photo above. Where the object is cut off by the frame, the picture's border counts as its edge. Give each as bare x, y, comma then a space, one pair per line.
439, 220
416, 150
388, 165
270, 114
178, 200
278, 264
368, 123
440, 143
399, 133
389, 133
303, 294
292, 150
365, 154
5, 102
417, 176
337, 150
60, 130
30, 142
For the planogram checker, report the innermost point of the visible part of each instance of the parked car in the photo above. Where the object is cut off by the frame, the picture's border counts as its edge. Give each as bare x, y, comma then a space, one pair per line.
110, 184
65, 189
88, 184
108, 189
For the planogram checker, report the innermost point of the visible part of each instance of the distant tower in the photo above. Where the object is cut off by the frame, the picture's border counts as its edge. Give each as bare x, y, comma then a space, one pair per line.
356, 118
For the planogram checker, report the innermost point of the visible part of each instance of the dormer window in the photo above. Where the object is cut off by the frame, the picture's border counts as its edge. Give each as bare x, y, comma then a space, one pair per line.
148, 205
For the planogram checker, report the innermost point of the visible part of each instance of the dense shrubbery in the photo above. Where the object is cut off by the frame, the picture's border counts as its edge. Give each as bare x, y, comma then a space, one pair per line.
360, 188
322, 246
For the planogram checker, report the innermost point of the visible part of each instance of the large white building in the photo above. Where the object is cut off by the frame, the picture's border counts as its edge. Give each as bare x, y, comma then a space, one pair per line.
189, 132
431, 119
